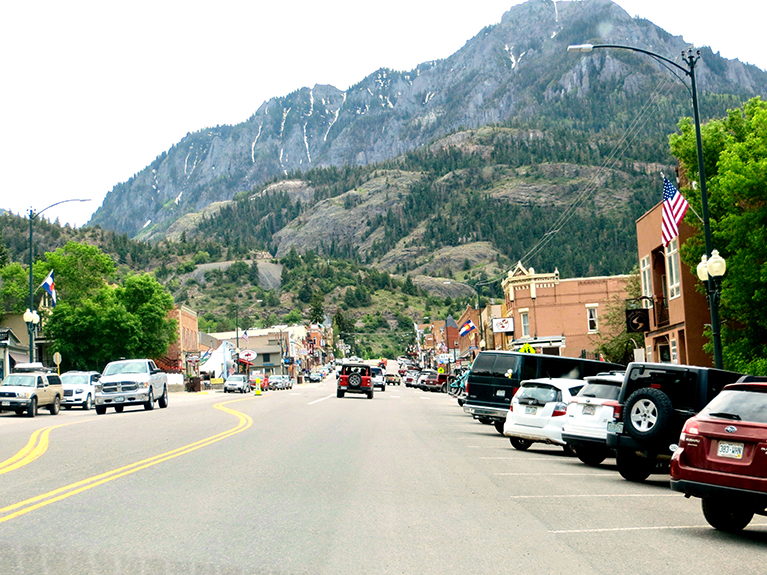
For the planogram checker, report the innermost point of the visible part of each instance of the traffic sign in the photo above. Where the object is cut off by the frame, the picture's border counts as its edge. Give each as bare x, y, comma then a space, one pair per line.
527, 348
57, 358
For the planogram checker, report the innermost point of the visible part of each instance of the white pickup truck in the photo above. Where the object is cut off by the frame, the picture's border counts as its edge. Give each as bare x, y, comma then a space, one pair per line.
131, 382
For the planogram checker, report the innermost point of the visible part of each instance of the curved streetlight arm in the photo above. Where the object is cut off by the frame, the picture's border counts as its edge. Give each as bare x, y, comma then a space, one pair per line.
33, 214
590, 47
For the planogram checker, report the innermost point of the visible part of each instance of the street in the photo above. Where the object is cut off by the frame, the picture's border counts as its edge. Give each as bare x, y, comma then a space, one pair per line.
301, 482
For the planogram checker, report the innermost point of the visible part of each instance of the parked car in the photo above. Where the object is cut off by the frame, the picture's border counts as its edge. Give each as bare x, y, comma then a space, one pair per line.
588, 413
355, 378
410, 378
378, 378
237, 382
721, 456
280, 382
315, 377
259, 378
495, 375
79, 388
436, 382
420, 383
654, 402
537, 412
30, 387
131, 382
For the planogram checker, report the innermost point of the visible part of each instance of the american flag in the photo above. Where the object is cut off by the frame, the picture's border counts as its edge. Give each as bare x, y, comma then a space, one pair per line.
674, 209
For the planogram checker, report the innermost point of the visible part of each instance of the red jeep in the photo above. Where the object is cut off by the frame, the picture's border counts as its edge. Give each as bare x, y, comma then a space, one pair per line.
355, 378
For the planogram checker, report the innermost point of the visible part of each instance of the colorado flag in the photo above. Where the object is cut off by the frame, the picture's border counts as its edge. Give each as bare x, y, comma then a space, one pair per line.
48, 286
467, 328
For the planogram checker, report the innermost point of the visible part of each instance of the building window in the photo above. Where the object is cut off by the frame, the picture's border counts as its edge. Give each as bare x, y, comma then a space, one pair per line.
591, 315
672, 268
649, 353
646, 278
524, 319
674, 352
265, 358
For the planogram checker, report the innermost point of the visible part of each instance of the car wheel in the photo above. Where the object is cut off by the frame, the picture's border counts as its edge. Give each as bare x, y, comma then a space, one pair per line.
149, 405
499, 426
633, 467
383, 388
485, 421
519, 443
370, 394
725, 515
100, 410
461, 401
32, 409
119, 408
591, 455
443, 389
649, 414
87, 404
163, 401
339, 393
55, 407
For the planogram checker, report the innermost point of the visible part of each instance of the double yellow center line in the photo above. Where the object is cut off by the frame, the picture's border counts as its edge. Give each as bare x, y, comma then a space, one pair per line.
21, 458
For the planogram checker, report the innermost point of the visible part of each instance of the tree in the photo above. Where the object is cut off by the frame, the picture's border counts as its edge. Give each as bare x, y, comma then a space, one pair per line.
5, 258
613, 341
317, 308
293, 316
305, 293
735, 153
81, 271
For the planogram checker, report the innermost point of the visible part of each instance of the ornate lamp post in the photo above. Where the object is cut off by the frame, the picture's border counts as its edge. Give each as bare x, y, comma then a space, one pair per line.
31, 318
690, 58
710, 271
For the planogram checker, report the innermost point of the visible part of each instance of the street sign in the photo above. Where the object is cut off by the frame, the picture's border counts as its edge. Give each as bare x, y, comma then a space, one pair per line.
527, 348
57, 358
248, 355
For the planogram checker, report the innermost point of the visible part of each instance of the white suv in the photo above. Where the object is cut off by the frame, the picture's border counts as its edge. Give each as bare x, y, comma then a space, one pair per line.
79, 388
588, 414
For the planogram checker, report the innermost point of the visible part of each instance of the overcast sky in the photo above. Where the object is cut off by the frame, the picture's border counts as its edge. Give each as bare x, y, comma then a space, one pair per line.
93, 91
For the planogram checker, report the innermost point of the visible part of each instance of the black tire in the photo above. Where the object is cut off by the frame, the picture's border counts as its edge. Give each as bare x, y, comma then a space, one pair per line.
725, 515
55, 407
87, 404
119, 408
32, 409
149, 405
461, 401
163, 401
569, 451
519, 443
443, 389
499, 426
339, 393
100, 410
592, 456
633, 467
648, 415
485, 421
370, 394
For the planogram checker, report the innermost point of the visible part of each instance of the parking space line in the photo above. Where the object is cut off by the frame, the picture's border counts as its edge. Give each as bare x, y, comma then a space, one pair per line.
424, 398
517, 458
596, 495
656, 528
556, 474
318, 400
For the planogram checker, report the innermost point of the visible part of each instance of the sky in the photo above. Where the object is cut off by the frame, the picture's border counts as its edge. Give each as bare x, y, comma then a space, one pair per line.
93, 91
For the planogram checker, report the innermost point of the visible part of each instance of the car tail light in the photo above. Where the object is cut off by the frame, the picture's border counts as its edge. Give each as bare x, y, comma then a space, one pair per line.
690, 428
617, 409
559, 409
516, 391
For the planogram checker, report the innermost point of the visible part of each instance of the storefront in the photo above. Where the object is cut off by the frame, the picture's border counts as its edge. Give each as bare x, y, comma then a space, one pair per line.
11, 351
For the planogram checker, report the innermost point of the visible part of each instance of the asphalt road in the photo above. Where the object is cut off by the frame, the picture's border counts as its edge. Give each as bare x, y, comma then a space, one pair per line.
300, 482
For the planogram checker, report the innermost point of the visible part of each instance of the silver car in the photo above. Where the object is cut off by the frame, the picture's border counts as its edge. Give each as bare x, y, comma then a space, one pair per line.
237, 382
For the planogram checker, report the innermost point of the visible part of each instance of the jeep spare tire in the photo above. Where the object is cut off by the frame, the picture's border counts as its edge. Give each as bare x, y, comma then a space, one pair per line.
649, 414
355, 380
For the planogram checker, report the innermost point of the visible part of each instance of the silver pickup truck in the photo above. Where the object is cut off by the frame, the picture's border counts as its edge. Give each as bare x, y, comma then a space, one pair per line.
131, 382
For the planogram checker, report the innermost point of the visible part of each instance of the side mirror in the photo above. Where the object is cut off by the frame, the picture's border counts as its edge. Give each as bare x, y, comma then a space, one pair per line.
41, 384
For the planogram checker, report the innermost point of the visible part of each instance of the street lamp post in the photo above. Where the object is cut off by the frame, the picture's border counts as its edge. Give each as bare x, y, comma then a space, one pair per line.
32, 324
690, 58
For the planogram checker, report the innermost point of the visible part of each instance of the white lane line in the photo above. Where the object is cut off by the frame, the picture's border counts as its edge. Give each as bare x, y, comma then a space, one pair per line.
296, 394
395, 396
424, 398
600, 496
556, 474
518, 458
657, 528
318, 400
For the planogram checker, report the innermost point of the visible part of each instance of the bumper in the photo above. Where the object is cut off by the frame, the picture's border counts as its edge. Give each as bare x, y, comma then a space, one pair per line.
12, 403
494, 413
583, 440
360, 389
552, 435
756, 499
74, 399
130, 398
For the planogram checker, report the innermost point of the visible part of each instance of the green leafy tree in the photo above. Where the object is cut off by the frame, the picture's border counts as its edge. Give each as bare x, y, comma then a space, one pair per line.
305, 293
5, 257
317, 308
735, 153
293, 316
81, 271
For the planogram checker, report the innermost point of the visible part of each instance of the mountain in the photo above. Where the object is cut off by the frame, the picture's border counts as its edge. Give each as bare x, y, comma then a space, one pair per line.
516, 74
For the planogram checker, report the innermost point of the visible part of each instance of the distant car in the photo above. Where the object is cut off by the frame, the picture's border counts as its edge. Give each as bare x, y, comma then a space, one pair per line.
392, 379
237, 382
259, 378
721, 455
378, 378
315, 377
410, 378
537, 412
79, 388
31, 386
588, 414
280, 382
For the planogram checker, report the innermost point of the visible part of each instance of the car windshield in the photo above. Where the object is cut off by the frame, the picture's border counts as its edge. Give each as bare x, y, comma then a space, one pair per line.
601, 390
236, 378
377, 371
74, 379
121, 367
746, 405
539, 392
21, 380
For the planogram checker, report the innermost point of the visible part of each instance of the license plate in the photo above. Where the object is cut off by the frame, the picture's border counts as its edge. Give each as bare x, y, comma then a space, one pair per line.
615, 427
589, 409
119, 399
6, 403
531, 410
731, 450
501, 393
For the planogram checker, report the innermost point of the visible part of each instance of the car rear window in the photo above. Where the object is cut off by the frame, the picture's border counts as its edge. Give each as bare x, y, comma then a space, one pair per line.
539, 392
739, 405
601, 390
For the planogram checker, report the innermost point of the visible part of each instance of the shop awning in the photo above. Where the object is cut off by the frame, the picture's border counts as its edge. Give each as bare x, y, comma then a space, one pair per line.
18, 357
